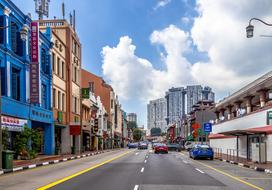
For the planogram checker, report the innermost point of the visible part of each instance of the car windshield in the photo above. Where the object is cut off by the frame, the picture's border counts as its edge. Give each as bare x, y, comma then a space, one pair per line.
135, 94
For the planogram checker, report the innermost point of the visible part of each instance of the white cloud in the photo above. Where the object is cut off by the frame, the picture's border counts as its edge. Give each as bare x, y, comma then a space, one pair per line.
185, 20
219, 30
161, 3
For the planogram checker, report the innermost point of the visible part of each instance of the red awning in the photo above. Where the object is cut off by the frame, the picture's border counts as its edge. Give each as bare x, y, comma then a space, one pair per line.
266, 129
219, 136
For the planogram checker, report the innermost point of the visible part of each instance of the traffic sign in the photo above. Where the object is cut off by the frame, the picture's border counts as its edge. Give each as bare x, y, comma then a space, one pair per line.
207, 127
85, 93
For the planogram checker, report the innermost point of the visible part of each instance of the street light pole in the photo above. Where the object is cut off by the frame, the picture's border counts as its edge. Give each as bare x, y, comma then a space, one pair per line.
250, 27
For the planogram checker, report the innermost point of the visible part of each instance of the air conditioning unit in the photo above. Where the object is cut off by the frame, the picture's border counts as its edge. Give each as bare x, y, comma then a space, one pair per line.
258, 152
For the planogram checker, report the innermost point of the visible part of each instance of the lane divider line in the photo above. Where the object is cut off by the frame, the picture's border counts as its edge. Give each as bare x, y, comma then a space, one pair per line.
145, 161
136, 153
142, 170
80, 172
136, 187
200, 170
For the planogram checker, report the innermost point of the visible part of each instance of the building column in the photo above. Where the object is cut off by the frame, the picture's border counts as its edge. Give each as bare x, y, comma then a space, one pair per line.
237, 106
217, 113
222, 112
49, 139
262, 94
7, 12
248, 104
229, 110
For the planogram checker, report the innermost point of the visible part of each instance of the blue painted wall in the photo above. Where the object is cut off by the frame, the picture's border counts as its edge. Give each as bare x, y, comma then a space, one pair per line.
18, 60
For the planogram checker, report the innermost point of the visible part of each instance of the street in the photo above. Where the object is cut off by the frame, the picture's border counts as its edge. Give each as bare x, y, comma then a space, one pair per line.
137, 170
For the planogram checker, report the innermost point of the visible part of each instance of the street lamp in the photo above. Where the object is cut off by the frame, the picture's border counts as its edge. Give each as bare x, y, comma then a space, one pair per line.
250, 27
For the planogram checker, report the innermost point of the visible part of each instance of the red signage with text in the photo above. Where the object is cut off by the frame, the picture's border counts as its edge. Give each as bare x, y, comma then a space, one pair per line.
74, 129
34, 65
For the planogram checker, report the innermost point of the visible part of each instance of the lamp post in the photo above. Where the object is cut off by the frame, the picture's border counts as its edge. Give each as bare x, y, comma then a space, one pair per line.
250, 27
23, 36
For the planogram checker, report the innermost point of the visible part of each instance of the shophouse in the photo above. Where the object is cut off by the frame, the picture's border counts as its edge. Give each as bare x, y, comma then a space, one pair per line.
26, 77
244, 122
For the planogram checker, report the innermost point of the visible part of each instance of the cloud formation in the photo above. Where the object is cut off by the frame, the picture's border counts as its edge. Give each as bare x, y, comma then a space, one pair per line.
161, 3
219, 30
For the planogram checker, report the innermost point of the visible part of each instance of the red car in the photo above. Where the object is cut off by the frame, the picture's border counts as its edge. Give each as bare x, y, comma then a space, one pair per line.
161, 148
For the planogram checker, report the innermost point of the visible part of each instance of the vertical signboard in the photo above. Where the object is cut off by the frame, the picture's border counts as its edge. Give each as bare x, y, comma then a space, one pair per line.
34, 65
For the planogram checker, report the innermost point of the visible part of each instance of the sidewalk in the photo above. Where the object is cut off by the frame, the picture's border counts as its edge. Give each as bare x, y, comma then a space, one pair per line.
42, 160
267, 168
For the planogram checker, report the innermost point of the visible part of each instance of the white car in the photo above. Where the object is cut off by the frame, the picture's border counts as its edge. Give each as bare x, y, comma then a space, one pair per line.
189, 145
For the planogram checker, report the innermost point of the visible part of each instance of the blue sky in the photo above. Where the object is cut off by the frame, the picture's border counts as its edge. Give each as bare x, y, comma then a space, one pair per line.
144, 47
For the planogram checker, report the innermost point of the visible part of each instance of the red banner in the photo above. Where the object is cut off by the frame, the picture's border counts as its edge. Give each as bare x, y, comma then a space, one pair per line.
74, 129
34, 65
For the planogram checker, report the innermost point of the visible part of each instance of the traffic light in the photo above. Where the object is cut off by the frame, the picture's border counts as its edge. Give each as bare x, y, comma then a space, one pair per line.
95, 125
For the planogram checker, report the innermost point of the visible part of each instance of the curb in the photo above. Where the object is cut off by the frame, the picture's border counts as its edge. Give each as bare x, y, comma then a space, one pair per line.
6, 171
268, 171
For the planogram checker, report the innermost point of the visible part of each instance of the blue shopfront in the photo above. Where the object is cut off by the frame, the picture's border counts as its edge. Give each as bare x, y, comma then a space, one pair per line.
17, 108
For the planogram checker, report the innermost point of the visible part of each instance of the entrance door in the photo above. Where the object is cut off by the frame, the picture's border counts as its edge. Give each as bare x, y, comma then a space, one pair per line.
41, 148
252, 139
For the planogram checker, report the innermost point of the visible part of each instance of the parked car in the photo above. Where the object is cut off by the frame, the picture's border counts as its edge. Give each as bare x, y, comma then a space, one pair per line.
132, 145
174, 147
189, 145
142, 145
201, 151
161, 148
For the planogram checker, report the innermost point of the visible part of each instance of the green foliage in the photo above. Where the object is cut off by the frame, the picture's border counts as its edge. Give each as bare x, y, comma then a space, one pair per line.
155, 132
27, 143
132, 125
5, 138
137, 134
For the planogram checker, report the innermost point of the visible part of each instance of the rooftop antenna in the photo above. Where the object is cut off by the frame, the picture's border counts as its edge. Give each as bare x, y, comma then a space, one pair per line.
63, 10
74, 21
71, 19
42, 8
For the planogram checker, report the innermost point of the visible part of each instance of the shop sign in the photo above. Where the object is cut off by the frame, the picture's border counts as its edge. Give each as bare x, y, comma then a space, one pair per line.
269, 117
74, 129
13, 124
85, 93
34, 65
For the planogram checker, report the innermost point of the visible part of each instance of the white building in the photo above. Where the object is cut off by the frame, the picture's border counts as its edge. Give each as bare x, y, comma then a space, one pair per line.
132, 117
244, 122
156, 114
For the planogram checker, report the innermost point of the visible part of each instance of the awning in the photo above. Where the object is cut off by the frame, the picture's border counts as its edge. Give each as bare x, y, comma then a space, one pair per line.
258, 130
219, 136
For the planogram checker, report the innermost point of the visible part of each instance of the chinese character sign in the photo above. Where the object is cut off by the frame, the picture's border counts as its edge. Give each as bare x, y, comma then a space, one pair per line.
34, 42
34, 66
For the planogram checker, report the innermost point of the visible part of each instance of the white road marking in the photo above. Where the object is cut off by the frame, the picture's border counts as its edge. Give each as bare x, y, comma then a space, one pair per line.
142, 170
182, 154
184, 161
146, 156
136, 187
145, 161
200, 170
136, 153
150, 151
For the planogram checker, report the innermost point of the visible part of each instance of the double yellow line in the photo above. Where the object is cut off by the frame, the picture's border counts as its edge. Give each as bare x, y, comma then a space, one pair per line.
81, 172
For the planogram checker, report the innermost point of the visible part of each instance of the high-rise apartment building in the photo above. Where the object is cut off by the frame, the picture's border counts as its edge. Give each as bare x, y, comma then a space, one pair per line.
175, 100
156, 114
196, 93
132, 117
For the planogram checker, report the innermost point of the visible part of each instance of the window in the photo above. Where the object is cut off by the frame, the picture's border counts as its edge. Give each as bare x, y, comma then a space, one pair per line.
53, 61
62, 69
15, 84
63, 102
75, 104
16, 42
59, 100
75, 74
2, 38
44, 96
58, 66
54, 97
3, 81
43, 61
91, 87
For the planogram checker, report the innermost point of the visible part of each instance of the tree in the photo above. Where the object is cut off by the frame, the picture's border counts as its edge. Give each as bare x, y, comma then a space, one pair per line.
155, 132
137, 134
132, 125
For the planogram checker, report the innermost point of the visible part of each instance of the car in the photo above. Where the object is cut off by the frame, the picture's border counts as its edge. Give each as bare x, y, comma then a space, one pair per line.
154, 145
132, 145
189, 145
142, 145
201, 151
161, 148
174, 147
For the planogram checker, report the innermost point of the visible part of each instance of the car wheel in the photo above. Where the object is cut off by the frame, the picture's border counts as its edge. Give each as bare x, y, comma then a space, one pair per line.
211, 158
194, 158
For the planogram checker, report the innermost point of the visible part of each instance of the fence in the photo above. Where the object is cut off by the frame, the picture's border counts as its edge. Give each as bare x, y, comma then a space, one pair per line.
230, 154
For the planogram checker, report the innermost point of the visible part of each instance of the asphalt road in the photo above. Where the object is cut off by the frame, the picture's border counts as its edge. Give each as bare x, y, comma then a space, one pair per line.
139, 170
